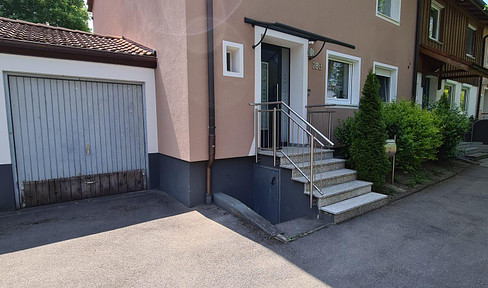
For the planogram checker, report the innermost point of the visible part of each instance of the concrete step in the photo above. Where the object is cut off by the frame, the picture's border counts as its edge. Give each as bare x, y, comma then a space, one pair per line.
347, 209
341, 192
464, 144
330, 178
303, 155
477, 156
320, 166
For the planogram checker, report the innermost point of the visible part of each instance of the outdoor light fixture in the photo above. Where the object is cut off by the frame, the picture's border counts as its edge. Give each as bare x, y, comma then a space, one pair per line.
311, 52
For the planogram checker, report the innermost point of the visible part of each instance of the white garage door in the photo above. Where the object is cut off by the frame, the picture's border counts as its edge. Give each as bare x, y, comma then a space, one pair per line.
76, 139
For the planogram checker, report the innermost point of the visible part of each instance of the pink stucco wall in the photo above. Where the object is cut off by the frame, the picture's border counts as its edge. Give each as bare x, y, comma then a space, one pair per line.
177, 30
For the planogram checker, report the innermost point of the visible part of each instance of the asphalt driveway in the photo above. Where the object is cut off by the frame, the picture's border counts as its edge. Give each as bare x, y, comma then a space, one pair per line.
435, 238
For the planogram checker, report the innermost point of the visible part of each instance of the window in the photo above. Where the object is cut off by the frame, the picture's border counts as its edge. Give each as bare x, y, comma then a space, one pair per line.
470, 36
449, 90
233, 59
435, 20
389, 10
387, 77
463, 101
342, 82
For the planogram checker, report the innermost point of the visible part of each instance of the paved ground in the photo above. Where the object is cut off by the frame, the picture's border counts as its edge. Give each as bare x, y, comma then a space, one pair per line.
435, 238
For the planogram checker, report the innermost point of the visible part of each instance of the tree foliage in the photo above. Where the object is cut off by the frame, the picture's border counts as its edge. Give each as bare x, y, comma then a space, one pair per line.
453, 124
70, 14
417, 131
367, 151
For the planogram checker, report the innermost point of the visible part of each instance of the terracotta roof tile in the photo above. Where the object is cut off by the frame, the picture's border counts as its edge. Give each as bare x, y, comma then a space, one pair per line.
43, 34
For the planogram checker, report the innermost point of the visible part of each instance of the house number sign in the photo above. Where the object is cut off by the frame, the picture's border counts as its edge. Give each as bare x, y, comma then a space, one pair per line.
316, 66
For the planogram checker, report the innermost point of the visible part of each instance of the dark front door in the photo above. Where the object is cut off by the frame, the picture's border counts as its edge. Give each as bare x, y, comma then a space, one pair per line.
275, 86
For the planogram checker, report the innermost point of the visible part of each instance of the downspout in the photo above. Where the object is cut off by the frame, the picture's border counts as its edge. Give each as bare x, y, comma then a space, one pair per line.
481, 78
211, 101
416, 55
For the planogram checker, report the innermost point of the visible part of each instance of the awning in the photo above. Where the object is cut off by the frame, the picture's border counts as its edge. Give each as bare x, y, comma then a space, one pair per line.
473, 69
280, 27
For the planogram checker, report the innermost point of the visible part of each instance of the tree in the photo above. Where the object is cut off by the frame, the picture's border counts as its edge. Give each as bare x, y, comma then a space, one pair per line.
368, 154
70, 14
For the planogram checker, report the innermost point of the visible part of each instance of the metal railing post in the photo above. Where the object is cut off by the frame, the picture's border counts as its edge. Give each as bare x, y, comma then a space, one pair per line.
311, 170
274, 136
256, 132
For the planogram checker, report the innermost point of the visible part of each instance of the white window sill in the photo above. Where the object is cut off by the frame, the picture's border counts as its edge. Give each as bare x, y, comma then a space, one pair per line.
342, 102
387, 18
436, 40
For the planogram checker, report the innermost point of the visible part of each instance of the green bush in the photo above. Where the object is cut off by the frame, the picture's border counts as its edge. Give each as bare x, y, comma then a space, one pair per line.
367, 150
418, 136
452, 124
343, 134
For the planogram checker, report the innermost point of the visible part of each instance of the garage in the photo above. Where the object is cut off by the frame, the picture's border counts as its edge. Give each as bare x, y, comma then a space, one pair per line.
76, 139
78, 118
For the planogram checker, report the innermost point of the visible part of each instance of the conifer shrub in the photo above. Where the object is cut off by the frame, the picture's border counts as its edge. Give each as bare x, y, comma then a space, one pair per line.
343, 134
418, 135
367, 152
452, 125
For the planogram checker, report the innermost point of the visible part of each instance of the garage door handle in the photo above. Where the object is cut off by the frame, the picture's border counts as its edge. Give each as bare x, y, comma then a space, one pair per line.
90, 182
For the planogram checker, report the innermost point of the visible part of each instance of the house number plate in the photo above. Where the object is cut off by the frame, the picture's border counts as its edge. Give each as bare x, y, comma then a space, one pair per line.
316, 66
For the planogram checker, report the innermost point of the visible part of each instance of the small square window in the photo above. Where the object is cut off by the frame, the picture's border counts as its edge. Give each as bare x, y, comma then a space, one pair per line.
470, 39
233, 59
389, 10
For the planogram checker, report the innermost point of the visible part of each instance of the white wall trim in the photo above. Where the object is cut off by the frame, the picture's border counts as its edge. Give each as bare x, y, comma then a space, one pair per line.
82, 70
355, 63
240, 61
394, 78
298, 69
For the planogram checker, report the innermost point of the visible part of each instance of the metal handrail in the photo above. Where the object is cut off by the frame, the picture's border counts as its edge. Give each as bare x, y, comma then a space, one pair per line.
300, 127
298, 116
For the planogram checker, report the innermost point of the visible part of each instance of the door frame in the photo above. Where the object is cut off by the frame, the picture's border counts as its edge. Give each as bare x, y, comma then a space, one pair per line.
18, 202
298, 69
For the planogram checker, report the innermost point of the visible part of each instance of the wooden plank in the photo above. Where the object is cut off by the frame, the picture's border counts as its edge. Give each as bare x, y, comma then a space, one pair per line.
52, 191
139, 183
29, 193
75, 188
85, 187
42, 190
65, 189
122, 182
131, 181
114, 183
105, 184
95, 187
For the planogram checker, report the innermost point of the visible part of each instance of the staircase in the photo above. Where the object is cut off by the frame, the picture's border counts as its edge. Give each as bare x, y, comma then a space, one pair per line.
474, 151
341, 195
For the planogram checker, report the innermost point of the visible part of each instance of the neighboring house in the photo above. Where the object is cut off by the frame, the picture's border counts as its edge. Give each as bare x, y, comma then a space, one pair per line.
276, 69
77, 115
451, 55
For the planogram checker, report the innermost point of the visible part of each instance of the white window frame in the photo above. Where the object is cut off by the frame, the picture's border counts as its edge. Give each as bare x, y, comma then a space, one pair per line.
434, 4
393, 78
396, 12
239, 53
355, 77
474, 32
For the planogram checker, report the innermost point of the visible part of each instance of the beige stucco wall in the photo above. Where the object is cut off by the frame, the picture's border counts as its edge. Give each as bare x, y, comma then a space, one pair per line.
161, 26
177, 30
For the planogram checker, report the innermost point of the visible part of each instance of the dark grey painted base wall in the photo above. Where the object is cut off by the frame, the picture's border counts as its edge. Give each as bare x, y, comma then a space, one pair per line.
7, 196
185, 181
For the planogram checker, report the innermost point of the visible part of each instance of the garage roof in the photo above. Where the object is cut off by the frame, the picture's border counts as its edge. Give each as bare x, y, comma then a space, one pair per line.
20, 37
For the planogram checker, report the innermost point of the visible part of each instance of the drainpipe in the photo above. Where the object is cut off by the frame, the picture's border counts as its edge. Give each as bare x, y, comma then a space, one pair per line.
481, 78
416, 55
211, 101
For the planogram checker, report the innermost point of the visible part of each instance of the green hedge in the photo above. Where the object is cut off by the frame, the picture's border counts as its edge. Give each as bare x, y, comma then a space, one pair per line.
417, 131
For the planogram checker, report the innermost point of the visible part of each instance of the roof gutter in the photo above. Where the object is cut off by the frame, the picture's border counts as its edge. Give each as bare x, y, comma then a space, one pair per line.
478, 102
211, 101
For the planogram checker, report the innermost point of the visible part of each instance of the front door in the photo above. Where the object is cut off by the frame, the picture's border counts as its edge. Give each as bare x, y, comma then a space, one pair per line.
275, 86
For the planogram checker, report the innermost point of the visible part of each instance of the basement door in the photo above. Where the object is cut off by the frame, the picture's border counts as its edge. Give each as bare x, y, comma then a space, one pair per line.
75, 139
